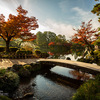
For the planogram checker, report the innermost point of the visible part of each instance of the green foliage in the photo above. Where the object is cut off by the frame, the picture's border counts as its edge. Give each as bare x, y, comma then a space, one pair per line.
77, 49
2, 48
4, 98
60, 39
13, 49
28, 67
94, 57
38, 53
37, 47
89, 90
8, 80
23, 72
43, 39
60, 49
97, 56
44, 55
2, 72
97, 42
36, 67
96, 10
23, 52
16, 67
86, 60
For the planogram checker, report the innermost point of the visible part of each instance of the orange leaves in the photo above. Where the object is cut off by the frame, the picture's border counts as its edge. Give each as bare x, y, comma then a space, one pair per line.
21, 11
18, 26
51, 43
2, 18
85, 34
50, 53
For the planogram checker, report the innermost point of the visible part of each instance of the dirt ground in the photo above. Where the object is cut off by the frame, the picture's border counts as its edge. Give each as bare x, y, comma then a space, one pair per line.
4, 63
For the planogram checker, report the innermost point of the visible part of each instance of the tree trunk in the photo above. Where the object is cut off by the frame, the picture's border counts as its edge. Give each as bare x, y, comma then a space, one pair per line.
7, 46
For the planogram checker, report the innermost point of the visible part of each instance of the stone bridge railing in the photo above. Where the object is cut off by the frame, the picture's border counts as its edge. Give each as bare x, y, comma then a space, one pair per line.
85, 67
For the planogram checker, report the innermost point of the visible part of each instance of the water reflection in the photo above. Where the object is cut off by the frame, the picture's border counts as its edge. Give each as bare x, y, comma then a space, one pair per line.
46, 89
75, 74
79, 75
62, 71
59, 83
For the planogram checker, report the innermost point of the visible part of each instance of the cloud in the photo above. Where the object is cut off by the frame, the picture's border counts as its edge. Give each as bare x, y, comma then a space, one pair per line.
8, 7
85, 16
62, 5
67, 29
56, 27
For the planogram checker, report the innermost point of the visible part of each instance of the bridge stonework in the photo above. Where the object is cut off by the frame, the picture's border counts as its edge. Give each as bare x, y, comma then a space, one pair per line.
85, 67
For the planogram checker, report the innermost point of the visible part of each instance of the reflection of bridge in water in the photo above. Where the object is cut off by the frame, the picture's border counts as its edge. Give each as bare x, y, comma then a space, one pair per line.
90, 68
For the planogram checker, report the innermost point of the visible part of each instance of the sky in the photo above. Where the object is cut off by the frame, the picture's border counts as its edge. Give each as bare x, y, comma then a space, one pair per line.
58, 16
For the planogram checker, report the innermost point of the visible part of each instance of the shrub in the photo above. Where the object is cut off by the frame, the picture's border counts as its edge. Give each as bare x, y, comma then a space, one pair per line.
87, 60
23, 52
38, 53
2, 72
36, 66
2, 48
16, 67
4, 98
13, 49
23, 72
89, 90
37, 47
44, 55
28, 67
33, 64
8, 80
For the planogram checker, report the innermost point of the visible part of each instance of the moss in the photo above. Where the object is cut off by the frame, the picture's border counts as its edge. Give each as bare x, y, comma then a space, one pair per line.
28, 67
16, 67
23, 72
8, 80
2, 72
37, 53
4, 98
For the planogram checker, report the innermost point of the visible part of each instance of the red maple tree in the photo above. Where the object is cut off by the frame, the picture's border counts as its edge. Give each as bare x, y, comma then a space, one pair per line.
18, 26
51, 43
85, 35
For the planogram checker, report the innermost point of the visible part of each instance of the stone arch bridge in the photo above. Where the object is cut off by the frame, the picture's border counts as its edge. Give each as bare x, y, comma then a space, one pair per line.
86, 67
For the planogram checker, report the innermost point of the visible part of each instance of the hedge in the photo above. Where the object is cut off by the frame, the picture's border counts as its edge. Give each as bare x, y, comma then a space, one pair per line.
89, 90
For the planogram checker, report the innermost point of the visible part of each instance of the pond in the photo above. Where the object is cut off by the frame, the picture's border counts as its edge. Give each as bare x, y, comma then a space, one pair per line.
58, 83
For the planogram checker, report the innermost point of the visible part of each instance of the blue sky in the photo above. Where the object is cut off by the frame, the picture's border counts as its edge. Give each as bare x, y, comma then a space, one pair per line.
59, 16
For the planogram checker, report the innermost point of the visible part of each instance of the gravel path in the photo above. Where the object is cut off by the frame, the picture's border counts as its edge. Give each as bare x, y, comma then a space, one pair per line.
4, 63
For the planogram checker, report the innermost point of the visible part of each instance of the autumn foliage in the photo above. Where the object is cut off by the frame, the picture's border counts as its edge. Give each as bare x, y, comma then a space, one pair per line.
50, 53
51, 43
85, 35
17, 26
